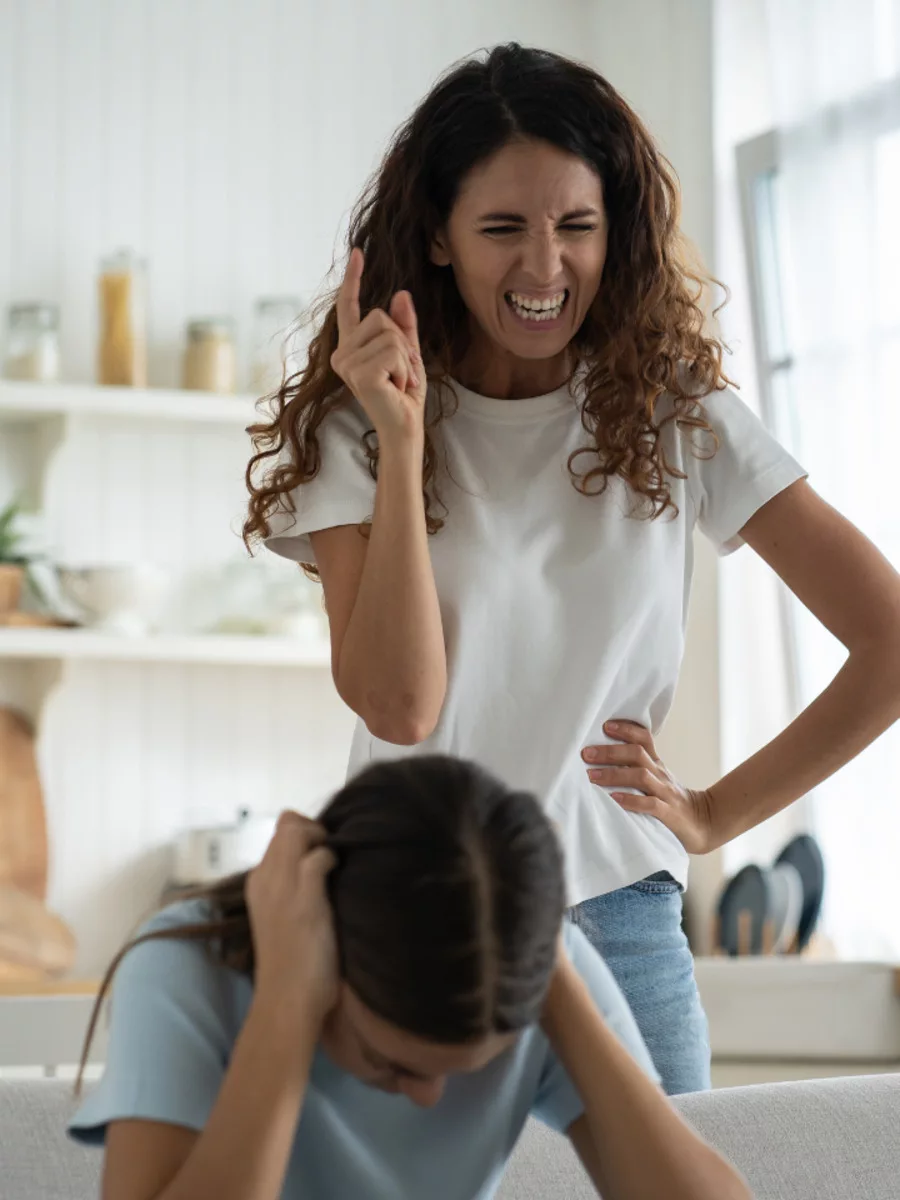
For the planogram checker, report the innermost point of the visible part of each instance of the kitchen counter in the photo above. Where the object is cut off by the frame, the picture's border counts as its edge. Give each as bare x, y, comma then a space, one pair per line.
793, 1010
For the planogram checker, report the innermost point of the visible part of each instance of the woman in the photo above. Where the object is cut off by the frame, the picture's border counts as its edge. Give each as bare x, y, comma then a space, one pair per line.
270, 1046
514, 387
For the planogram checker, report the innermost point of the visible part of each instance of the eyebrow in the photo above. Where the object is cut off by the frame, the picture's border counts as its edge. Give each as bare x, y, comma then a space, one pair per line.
519, 219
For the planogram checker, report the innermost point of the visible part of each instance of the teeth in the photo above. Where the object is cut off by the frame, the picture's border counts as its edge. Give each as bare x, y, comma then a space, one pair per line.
533, 305
537, 310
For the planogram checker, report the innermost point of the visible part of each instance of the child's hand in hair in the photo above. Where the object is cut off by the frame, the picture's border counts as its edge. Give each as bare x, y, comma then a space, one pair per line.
294, 945
378, 357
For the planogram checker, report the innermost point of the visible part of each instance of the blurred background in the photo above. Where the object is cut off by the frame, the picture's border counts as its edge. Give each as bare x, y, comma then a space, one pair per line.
176, 179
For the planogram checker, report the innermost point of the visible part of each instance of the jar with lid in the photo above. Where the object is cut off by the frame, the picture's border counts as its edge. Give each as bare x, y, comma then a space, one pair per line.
122, 352
210, 359
32, 344
279, 347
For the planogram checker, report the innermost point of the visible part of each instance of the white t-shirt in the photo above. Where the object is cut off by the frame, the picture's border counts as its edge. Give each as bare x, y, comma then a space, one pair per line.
560, 611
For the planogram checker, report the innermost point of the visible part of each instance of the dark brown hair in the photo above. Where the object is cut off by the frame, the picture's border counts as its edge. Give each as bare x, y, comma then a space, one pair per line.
447, 895
643, 336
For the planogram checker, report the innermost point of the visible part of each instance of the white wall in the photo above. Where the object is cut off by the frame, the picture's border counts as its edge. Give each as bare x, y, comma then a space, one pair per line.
226, 140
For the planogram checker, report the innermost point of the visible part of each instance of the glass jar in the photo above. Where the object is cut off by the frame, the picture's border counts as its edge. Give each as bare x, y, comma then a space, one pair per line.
32, 344
279, 347
210, 359
122, 352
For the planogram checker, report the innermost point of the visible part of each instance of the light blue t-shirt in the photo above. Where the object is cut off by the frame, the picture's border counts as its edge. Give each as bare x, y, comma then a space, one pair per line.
176, 1015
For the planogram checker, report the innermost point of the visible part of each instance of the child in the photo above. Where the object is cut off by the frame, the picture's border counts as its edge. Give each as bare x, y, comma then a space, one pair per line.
375, 1010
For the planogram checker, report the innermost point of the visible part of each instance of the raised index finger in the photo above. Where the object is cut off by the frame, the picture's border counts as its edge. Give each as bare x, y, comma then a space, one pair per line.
348, 296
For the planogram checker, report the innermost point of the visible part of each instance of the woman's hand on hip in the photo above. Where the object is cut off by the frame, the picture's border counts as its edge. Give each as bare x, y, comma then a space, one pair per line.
378, 358
294, 946
636, 764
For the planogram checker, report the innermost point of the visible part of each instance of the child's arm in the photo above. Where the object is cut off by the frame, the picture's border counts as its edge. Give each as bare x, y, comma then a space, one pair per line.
243, 1150
633, 1143
242, 1153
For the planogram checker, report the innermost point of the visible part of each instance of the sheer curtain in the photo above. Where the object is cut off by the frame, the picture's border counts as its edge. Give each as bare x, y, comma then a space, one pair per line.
835, 77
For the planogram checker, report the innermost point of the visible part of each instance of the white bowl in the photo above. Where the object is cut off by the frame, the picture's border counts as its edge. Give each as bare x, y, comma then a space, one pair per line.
116, 598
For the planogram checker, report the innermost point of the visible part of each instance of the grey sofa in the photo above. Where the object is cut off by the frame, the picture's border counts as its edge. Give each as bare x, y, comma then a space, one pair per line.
824, 1139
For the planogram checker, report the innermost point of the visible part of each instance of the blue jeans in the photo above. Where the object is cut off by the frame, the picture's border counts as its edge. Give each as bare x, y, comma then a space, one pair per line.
637, 930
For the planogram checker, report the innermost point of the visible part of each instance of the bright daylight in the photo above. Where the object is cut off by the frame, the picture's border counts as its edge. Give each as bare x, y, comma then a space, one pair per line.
449, 600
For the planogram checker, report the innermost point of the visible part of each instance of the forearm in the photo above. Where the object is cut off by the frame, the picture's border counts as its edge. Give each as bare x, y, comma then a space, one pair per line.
641, 1146
861, 702
243, 1152
393, 665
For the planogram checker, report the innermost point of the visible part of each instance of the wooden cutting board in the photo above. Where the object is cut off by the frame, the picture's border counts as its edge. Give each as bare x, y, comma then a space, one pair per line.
14, 975
31, 938
23, 822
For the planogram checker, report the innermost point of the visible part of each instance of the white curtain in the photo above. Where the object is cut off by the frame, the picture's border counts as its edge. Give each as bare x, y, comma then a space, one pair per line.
835, 78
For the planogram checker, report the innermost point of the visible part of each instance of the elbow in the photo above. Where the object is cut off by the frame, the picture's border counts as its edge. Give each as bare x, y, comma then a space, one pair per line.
880, 661
881, 650
408, 731
405, 721
892, 657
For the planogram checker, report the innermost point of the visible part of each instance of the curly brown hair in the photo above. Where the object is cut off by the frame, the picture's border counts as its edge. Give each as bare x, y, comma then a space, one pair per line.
644, 334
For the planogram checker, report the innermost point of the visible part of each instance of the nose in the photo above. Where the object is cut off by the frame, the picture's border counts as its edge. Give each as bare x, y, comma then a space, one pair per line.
424, 1092
542, 258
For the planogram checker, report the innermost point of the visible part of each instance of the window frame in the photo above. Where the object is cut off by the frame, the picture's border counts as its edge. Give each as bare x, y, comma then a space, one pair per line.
876, 111
757, 165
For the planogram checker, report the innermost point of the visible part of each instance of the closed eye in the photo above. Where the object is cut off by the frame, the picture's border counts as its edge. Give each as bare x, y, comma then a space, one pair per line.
518, 228
389, 1069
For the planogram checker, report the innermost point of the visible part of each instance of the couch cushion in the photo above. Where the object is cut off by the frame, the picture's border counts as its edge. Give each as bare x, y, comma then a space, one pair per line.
545, 1165
37, 1160
816, 1139
821, 1139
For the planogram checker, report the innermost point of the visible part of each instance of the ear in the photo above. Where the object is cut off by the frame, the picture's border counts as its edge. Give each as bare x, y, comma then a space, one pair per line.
440, 255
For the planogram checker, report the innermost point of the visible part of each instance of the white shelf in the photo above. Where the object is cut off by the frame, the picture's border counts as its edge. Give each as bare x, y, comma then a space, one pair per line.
781, 1007
227, 649
36, 401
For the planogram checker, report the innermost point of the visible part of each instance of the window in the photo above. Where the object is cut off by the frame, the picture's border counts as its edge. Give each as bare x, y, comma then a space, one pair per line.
820, 208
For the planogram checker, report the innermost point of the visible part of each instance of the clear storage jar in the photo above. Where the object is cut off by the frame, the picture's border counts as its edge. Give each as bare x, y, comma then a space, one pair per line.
122, 352
278, 343
32, 343
210, 357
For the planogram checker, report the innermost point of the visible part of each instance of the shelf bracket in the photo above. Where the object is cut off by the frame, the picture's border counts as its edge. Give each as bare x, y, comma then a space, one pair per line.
51, 434
27, 684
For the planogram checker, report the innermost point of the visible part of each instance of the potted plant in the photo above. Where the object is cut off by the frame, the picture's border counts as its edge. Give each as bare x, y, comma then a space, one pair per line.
14, 561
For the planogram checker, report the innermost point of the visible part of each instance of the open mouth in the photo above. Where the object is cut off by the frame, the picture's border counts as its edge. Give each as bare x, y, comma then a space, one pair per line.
527, 309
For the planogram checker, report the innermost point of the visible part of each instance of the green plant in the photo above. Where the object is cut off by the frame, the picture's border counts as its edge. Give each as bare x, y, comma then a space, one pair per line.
12, 552
10, 537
